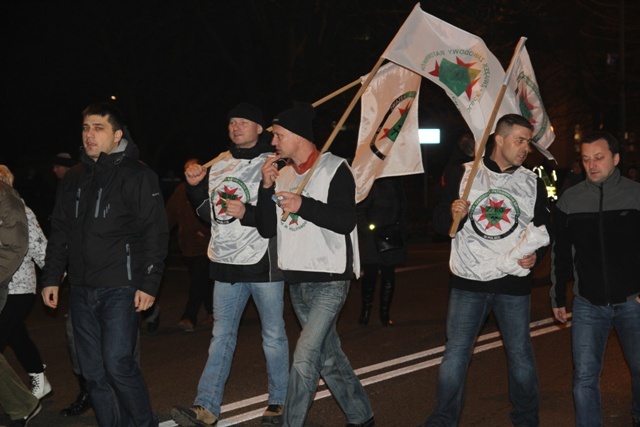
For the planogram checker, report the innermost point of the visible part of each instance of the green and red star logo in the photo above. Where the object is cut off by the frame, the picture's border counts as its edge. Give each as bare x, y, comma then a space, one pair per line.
226, 194
231, 188
398, 111
494, 214
459, 77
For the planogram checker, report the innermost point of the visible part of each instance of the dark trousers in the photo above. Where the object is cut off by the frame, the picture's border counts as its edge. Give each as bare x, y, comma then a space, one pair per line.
200, 288
105, 326
13, 332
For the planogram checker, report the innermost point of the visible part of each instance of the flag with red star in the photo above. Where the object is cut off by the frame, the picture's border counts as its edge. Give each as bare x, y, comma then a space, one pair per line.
524, 92
388, 142
457, 61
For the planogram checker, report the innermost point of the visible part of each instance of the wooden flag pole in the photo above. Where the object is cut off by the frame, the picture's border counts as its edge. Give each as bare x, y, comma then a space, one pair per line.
337, 127
485, 136
315, 104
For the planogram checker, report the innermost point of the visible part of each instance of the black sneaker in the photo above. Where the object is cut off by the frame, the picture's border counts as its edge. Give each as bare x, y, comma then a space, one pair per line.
23, 422
196, 415
272, 415
78, 406
369, 423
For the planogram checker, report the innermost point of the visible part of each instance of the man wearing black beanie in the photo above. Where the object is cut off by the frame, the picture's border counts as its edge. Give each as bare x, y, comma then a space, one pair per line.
318, 253
243, 265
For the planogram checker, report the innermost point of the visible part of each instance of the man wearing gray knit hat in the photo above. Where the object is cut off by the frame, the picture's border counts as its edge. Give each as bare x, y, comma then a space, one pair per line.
318, 254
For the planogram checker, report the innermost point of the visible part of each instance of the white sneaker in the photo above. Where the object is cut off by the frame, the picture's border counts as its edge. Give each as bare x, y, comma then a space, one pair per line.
40, 386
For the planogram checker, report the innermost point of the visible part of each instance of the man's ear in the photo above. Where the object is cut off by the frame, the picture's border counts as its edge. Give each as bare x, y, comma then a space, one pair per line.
616, 159
118, 136
260, 129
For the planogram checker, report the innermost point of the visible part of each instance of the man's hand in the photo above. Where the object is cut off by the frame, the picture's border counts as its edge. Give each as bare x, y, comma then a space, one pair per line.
50, 296
528, 261
560, 314
143, 301
460, 207
194, 174
270, 171
290, 202
235, 208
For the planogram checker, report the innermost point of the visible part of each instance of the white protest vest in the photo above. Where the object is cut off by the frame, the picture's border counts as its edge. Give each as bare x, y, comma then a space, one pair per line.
302, 245
234, 179
502, 205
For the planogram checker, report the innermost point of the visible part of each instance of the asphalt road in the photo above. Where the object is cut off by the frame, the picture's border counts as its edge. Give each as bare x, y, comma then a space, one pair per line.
398, 365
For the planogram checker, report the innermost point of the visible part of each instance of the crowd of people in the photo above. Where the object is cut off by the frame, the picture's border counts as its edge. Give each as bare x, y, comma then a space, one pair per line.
273, 209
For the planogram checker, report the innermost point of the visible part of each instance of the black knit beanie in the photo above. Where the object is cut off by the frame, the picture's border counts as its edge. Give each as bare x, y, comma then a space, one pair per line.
244, 110
298, 120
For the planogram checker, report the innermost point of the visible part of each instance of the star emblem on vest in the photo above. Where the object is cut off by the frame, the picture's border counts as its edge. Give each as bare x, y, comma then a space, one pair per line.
226, 194
494, 214
230, 189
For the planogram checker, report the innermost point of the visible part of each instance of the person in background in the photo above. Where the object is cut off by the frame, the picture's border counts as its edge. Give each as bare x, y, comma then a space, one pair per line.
109, 226
22, 290
574, 176
16, 400
384, 206
243, 264
505, 198
318, 254
597, 230
61, 164
193, 240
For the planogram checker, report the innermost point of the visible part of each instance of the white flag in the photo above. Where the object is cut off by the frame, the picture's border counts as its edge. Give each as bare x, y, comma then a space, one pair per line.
524, 92
388, 142
457, 61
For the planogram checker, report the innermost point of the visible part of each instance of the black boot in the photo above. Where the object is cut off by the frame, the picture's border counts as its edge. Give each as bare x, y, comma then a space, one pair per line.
368, 286
82, 402
386, 295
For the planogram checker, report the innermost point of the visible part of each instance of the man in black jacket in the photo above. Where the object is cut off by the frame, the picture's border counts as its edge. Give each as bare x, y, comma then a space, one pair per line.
597, 230
109, 226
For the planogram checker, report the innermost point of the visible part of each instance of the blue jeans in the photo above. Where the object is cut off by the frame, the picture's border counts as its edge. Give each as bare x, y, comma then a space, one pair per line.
229, 301
105, 326
318, 352
466, 317
590, 330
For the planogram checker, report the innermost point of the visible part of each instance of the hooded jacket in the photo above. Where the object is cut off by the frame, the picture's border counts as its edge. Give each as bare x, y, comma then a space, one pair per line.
108, 224
596, 240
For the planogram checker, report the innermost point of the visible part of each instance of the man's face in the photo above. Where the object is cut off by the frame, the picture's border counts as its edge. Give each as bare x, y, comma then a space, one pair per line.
598, 160
243, 132
285, 142
511, 150
98, 136
60, 171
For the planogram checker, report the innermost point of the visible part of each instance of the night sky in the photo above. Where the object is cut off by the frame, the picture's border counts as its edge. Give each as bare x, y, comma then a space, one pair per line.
177, 67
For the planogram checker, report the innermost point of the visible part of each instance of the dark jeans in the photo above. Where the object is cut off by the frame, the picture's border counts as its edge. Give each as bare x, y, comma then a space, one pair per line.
13, 332
105, 326
200, 288
465, 318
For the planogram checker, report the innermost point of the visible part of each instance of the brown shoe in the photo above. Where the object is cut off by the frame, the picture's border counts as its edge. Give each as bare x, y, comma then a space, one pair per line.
186, 325
207, 321
272, 415
196, 415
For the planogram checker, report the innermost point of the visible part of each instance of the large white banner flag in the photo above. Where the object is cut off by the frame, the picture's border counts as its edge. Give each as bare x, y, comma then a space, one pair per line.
388, 142
524, 92
457, 61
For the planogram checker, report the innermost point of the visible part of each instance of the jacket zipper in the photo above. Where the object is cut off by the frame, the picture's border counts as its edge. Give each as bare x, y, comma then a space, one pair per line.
128, 249
603, 256
98, 202
78, 191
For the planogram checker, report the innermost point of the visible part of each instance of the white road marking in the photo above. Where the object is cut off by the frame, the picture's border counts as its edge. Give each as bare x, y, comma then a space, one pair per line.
493, 337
